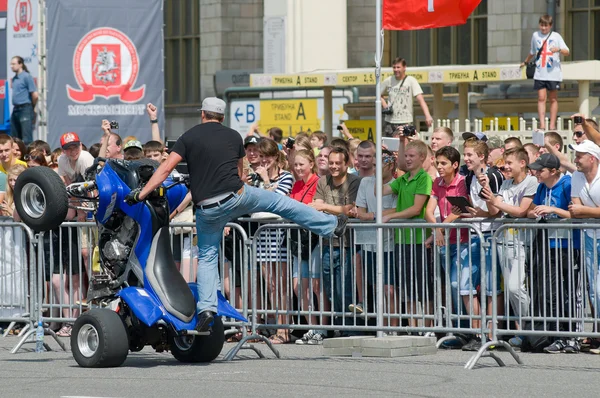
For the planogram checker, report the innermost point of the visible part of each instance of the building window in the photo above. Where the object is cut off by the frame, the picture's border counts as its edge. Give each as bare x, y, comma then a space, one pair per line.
182, 52
456, 45
583, 18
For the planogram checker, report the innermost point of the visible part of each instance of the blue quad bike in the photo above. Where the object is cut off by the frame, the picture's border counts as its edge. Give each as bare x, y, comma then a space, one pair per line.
139, 298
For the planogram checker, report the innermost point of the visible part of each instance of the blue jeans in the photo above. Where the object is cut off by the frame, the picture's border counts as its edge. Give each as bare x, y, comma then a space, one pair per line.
210, 224
593, 271
21, 123
340, 274
476, 265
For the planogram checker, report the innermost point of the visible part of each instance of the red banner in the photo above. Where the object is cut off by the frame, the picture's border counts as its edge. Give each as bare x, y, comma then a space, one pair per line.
426, 14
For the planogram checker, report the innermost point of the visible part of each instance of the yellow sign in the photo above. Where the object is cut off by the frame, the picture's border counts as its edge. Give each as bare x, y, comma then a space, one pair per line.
292, 116
362, 129
502, 123
298, 80
442, 75
368, 79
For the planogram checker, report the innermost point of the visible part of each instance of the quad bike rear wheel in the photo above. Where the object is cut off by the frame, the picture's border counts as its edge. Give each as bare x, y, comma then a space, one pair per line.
99, 339
199, 348
41, 199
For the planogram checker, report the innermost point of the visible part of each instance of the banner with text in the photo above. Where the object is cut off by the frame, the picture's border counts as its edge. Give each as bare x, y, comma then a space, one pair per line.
22, 35
105, 61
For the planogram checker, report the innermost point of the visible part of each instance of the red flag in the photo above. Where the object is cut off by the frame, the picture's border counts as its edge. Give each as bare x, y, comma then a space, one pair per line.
426, 14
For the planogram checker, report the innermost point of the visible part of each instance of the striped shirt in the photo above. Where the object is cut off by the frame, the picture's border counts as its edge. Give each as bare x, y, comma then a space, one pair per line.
270, 241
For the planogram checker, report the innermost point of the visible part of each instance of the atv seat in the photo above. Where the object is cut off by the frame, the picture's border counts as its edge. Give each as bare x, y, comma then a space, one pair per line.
169, 285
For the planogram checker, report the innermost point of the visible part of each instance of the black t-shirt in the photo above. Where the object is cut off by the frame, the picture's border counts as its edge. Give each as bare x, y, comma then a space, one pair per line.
212, 152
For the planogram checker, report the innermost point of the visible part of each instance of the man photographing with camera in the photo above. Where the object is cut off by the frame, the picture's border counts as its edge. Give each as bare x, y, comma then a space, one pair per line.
401, 90
111, 142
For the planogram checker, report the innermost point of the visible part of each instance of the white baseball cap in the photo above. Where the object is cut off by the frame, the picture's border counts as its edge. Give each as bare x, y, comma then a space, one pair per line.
587, 146
213, 104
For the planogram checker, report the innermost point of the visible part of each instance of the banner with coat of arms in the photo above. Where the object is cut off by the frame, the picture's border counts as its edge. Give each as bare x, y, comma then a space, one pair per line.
105, 61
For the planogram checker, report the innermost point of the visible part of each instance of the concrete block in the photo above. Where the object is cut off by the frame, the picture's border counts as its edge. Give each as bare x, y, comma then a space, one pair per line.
516, 22
345, 342
504, 22
398, 352
504, 53
251, 10
343, 352
511, 37
233, 10
495, 7
391, 342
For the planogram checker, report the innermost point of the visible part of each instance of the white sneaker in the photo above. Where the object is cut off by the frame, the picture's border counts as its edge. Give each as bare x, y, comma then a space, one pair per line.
307, 336
317, 339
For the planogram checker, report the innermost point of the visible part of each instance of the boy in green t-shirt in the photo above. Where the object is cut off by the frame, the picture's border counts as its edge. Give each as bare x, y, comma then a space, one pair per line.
413, 190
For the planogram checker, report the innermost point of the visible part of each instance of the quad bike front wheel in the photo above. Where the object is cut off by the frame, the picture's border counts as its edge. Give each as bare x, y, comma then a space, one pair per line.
199, 348
41, 199
99, 339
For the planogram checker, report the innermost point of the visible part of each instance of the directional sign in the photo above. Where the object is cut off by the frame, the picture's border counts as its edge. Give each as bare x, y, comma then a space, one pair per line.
290, 115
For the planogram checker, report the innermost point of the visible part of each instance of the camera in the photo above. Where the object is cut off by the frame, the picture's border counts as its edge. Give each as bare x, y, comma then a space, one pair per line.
387, 110
255, 179
290, 143
114, 125
409, 131
340, 128
578, 119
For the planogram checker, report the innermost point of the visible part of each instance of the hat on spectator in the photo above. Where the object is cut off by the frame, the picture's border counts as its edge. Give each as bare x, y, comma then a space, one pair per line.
587, 146
213, 104
250, 140
495, 142
546, 160
479, 136
133, 144
68, 139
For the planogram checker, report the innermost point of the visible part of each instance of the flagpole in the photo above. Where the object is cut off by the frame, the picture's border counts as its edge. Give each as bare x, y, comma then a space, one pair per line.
378, 167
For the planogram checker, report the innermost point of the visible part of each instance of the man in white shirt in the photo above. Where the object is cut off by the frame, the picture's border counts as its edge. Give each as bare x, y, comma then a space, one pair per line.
401, 90
548, 74
74, 161
585, 195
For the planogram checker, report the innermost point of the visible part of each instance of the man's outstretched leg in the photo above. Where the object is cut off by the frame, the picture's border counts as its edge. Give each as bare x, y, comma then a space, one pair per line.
252, 200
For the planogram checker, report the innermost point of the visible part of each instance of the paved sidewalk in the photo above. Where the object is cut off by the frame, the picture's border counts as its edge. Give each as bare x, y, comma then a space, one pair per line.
302, 371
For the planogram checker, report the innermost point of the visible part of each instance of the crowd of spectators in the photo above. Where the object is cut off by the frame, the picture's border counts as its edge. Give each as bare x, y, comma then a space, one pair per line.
499, 179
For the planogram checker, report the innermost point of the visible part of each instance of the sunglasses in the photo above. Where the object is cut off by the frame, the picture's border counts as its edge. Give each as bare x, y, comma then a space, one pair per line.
578, 134
502, 168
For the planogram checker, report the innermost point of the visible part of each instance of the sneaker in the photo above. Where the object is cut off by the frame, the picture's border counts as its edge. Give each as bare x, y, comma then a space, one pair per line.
473, 345
317, 339
358, 308
390, 334
573, 346
556, 347
515, 342
453, 344
306, 337
341, 226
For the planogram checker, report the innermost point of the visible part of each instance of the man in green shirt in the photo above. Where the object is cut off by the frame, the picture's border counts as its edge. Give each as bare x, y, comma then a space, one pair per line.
413, 190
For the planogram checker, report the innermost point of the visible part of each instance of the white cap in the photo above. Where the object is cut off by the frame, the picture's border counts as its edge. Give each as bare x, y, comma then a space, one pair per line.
213, 104
587, 146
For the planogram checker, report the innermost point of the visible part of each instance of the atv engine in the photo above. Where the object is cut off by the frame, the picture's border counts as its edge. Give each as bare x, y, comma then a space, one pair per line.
116, 241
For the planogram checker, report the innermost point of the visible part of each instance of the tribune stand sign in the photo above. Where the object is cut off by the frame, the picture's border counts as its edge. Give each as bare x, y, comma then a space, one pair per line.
103, 63
22, 35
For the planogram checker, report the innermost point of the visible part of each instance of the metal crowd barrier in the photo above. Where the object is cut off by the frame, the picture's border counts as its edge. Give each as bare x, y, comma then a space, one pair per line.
17, 276
550, 284
416, 298
283, 279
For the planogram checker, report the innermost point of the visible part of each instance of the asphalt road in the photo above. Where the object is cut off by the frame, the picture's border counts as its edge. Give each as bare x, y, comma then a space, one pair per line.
302, 371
